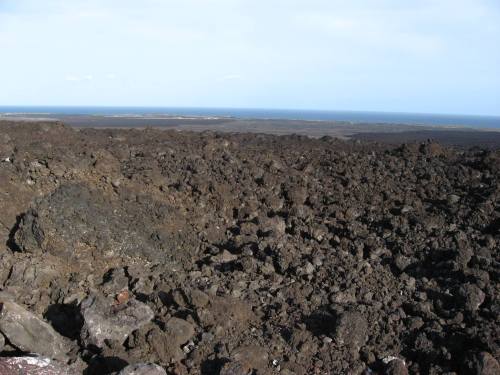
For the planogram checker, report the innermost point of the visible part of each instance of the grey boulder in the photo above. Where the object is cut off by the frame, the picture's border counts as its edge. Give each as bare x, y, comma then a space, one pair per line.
27, 332
33, 366
143, 369
104, 319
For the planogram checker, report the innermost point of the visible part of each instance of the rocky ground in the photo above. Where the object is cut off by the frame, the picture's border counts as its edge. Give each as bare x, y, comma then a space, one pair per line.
157, 251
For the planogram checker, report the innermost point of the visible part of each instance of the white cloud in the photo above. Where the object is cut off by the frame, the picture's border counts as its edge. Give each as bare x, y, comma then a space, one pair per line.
79, 78
72, 78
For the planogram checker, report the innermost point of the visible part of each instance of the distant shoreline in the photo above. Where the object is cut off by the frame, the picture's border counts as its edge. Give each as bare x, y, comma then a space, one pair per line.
459, 136
178, 121
487, 122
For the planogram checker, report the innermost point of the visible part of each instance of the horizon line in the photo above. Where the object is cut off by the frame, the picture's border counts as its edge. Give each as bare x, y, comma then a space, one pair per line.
418, 113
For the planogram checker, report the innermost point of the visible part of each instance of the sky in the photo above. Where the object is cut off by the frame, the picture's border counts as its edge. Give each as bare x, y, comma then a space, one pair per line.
429, 56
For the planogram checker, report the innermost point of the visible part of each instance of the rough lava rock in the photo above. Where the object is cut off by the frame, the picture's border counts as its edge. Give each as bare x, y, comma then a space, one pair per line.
106, 319
483, 364
33, 366
255, 253
31, 334
75, 218
143, 369
179, 331
470, 296
235, 368
351, 330
396, 367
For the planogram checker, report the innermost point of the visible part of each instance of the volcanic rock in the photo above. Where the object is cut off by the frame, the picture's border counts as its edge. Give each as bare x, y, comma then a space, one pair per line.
31, 334
197, 298
105, 319
396, 367
326, 255
179, 331
251, 356
470, 296
33, 366
143, 369
350, 330
235, 368
161, 344
483, 363
75, 219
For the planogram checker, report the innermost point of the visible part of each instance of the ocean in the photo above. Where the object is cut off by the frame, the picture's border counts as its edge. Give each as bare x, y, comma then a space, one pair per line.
315, 115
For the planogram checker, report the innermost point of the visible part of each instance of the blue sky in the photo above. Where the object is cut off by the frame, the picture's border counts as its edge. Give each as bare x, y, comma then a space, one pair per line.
435, 56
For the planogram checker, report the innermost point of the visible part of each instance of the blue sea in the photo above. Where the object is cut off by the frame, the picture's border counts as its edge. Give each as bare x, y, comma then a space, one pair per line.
351, 116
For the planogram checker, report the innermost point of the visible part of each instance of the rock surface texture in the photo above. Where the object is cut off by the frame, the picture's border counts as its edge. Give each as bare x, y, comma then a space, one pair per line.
33, 366
148, 251
143, 369
29, 333
112, 320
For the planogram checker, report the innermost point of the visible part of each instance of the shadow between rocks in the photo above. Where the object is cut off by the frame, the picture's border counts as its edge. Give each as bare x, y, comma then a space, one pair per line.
66, 320
105, 366
11, 241
320, 322
211, 367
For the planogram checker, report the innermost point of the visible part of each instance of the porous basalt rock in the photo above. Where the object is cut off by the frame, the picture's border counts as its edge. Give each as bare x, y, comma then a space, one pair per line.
208, 253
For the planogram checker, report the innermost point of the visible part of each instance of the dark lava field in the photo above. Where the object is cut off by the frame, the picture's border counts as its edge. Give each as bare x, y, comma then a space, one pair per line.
147, 251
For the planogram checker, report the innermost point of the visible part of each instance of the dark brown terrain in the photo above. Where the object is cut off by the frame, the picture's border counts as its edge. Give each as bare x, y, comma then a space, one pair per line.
388, 133
236, 254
